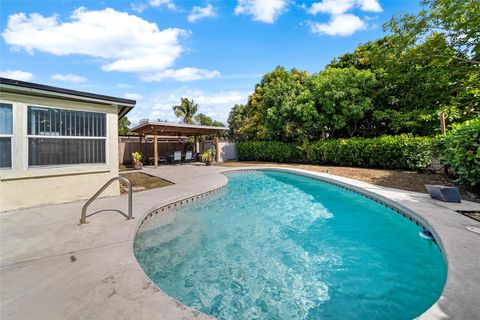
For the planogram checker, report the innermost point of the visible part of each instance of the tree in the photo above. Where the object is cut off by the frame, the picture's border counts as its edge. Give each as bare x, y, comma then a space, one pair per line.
205, 120
186, 110
291, 106
457, 20
429, 64
236, 120
273, 112
416, 84
123, 124
342, 98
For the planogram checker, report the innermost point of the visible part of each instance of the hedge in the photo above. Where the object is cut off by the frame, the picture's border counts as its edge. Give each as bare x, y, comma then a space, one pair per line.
269, 151
460, 152
389, 152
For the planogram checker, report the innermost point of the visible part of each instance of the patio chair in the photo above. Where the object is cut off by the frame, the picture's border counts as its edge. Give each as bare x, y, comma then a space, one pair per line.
188, 156
177, 156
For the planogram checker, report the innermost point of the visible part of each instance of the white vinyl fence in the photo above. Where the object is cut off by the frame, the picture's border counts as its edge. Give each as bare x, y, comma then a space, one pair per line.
227, 149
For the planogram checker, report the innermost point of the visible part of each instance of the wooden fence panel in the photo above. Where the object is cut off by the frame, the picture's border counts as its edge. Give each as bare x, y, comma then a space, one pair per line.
128, 145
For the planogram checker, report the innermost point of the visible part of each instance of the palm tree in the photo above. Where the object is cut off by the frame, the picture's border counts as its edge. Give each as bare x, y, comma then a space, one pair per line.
186, 110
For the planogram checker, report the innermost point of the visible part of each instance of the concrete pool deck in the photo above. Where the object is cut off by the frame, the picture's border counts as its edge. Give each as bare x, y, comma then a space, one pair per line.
51, 268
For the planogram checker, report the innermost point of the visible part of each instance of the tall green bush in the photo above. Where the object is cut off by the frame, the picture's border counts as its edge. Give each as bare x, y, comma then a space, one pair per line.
460, 152
389, 152
269, 151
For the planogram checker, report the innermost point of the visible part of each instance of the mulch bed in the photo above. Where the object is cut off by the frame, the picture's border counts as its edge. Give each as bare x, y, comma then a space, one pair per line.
142, 181
475, 215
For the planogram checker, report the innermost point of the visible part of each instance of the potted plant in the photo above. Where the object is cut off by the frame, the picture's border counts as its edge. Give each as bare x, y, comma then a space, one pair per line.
137, 160
207, 157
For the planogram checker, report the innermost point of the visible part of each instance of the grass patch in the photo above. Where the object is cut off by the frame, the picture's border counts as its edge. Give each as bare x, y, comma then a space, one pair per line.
142, 181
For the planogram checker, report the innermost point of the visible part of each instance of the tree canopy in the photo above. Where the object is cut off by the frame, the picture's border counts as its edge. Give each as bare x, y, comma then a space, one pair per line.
457, 20
186, 110
123, 129
429, 63
205, 120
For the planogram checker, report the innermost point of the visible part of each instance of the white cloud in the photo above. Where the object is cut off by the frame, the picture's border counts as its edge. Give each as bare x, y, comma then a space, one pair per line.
69, 78
370, 5
184, 74
339, 25
17, 75
337, 7
198, 13
334, 7
127, 42
133, 96
138, 6
125, 85
214, 104
261, 10
161, 3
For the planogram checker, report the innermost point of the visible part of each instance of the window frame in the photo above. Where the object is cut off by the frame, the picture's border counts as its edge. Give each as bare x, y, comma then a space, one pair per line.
11, 136
74, 165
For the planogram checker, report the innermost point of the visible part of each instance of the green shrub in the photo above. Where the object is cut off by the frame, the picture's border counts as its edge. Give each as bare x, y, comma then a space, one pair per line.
460, 152
269, 151
390, 152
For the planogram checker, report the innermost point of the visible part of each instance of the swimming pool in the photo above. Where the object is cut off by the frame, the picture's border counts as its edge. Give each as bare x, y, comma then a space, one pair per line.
273, 245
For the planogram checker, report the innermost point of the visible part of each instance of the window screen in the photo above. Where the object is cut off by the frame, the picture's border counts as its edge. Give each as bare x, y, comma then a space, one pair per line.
70, 123
6, 135
61, 137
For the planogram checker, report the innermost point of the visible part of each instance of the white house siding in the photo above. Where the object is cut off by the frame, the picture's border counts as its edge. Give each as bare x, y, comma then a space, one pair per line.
24, 186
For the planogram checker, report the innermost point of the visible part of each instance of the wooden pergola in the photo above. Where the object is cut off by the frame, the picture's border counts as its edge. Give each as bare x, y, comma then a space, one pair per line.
175, 129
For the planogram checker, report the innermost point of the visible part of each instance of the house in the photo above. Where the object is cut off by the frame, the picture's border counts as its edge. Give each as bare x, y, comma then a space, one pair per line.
56, 145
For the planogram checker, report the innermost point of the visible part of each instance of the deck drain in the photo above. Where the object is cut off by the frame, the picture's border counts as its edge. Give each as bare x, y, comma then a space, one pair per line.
473, 229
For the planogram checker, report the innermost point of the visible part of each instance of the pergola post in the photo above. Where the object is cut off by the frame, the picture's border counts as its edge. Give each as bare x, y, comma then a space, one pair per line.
195, 147
155, 148
216, 148
140, 140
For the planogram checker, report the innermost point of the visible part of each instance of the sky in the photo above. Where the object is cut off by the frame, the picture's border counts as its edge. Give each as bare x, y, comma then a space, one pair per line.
157, 51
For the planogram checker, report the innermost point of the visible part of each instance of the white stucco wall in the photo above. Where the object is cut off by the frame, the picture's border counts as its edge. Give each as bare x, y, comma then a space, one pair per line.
22, 186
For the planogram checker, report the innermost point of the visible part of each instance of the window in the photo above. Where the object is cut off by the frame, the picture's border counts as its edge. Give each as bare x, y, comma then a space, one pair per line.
6, 135
59, 137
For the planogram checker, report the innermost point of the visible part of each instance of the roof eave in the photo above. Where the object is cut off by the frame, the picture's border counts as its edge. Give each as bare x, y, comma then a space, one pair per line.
22, 87
179, 125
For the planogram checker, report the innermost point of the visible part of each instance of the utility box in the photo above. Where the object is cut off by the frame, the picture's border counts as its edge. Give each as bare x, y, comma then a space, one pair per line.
444, 193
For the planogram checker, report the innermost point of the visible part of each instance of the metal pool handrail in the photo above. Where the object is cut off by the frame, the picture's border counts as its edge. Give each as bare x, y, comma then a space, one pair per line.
83, 218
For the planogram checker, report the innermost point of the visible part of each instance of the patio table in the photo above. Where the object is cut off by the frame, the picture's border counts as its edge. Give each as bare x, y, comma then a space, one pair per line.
170, 158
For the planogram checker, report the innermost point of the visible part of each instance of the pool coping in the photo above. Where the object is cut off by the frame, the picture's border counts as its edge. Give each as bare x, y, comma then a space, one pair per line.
463, 274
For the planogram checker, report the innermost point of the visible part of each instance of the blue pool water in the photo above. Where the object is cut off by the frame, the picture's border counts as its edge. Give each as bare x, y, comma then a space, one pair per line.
273, 245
